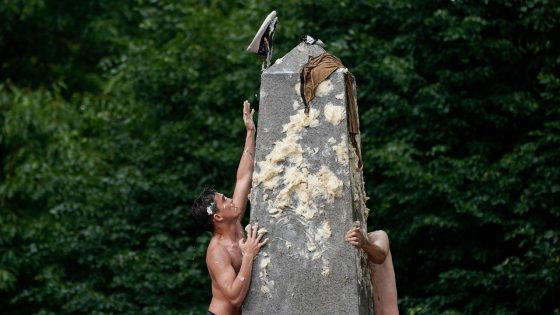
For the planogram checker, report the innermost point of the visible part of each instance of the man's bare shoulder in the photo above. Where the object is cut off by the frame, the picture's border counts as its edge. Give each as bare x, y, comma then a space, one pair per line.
216, 252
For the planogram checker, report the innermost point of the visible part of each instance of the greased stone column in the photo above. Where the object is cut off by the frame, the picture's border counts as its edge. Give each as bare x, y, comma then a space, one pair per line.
307, 192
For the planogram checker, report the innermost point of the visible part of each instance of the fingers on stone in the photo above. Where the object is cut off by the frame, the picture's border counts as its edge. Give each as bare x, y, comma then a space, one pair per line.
255, 229
248, 229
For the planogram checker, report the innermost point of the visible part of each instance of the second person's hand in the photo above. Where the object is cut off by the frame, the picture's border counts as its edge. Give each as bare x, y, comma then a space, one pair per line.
248, 116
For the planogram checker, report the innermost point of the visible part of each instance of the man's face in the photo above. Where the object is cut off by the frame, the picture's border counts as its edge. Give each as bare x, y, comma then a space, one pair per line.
225, 206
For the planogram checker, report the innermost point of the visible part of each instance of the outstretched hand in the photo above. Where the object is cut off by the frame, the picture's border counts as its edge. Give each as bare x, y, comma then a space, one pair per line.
248, 116
252, 245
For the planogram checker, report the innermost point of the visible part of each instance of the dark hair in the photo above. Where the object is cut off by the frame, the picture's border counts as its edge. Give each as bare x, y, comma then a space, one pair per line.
201, 206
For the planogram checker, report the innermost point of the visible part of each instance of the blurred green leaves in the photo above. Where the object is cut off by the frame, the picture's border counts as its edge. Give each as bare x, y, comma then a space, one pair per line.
113, 116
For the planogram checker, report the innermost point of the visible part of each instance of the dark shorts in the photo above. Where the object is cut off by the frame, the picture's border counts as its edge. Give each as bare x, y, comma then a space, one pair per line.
210, 313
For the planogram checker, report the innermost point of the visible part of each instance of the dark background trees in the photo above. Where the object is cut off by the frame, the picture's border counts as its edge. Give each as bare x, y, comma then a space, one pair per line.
114, 114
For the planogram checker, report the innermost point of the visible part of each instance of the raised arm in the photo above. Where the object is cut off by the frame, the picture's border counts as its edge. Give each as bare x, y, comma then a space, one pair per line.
234, 286
245, 168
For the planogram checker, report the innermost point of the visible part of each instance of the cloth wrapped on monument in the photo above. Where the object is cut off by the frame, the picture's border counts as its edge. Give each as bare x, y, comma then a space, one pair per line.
318, 69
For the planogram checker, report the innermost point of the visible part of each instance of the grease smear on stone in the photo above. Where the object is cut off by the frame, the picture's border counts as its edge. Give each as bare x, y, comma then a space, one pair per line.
341, 150
263, 274
326, 270
324, 88
297, 87
286, 176
325, 231
334, 114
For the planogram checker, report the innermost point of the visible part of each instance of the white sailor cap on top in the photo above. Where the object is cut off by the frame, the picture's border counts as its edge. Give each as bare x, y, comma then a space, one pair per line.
256, 43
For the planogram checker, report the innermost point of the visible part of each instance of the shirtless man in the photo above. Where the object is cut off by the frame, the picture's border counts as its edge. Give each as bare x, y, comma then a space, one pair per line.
229, 256
376, 246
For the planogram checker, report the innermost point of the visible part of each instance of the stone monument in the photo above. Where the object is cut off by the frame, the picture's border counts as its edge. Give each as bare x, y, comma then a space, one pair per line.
307, 193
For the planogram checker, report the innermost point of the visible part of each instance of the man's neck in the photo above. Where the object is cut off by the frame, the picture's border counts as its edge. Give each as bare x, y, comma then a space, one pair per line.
228, 232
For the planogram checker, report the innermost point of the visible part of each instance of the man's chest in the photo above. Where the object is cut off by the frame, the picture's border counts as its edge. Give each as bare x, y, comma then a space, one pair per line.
235, 255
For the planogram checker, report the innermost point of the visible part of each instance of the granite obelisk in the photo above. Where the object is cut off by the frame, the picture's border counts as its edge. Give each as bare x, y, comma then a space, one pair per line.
307, 192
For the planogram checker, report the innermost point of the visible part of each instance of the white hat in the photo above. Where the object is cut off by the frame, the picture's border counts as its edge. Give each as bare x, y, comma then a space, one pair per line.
268, 25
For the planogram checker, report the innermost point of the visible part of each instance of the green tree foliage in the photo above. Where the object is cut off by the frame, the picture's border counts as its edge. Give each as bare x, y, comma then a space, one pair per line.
115, 114
462, 142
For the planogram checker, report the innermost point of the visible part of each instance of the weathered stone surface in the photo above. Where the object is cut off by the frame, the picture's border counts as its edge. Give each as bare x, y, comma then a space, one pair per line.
307, 192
